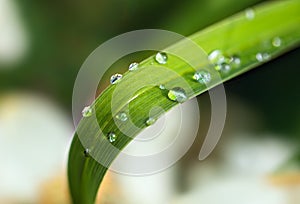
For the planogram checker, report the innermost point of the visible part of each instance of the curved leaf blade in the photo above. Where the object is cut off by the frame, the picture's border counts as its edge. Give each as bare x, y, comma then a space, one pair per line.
234, 36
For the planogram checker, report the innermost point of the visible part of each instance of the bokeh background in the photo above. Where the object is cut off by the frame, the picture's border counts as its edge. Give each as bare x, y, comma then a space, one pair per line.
44, 43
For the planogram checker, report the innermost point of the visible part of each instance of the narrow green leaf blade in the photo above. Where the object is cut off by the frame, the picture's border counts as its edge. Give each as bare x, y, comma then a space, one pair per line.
238, 35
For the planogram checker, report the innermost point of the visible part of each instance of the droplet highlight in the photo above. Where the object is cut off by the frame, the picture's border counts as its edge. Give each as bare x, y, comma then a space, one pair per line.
202, 76
236, 60
162, 87
112, 137
259, 57
86, 152
115, 78
161, 57
133, 66
262, 57
122, 116
222, 62
87, 111
250, 14
266, 56
216, 57
150, 121
177, 94
276, 42
223, 67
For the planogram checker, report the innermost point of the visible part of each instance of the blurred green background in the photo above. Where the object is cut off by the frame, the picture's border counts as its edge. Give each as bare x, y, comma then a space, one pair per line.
44, 43
61, 34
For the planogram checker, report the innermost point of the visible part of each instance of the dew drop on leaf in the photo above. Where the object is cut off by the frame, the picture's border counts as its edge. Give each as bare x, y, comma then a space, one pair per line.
262, 57
150, 121
223, 67
266, 56
122, 116
276, 42
162, 87
112, 137
220, 61
259, 57
86, 152
202, 76
161, 57
133, 66
177, 94
87, 111
216, 57
250, 14
115, 78
236, 61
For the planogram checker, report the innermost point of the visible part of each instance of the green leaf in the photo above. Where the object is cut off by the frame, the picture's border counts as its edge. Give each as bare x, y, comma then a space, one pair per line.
249, 39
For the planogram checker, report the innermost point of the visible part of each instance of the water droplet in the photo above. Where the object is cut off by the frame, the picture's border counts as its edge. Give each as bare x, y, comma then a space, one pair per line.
262, 57
250, 14
220, 61
133, 66
150, 121
276, 42
122, 116
162, 87
259, 57
223, 67
86, 152
112, 137
202, 76
87, 111
115, 78
177, 94
236, 60
266, 56
216, 57
161, 57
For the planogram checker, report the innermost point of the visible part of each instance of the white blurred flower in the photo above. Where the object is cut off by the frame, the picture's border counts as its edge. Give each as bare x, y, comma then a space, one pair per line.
34, 136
